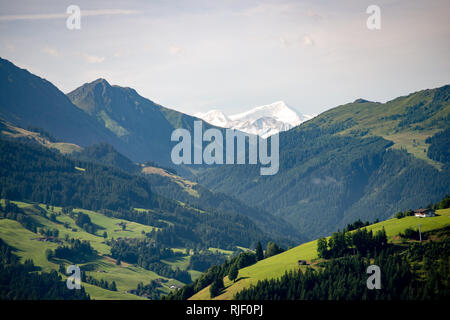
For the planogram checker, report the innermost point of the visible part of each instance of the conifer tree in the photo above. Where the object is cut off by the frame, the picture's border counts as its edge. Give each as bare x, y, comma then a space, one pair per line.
259, 252
234, 271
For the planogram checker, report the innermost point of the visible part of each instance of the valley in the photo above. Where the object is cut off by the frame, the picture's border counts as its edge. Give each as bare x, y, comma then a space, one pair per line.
102, 266
359, 160
276, 266
111, 200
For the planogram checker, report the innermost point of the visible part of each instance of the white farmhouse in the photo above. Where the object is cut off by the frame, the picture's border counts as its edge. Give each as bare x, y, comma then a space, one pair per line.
423, 213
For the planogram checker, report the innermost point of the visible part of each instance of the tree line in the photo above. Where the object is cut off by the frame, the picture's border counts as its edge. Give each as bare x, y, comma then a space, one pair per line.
36, 174
20, 281
215, 274
77, 251
343, 243
345, 278
12, 211
148, 254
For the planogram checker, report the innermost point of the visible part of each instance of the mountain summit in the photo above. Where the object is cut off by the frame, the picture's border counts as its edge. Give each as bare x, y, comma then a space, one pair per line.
215, 117
264, 120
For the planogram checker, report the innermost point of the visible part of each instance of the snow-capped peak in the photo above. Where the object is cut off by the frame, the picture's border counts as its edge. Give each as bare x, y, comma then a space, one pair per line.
277, 110
264, 120
215, 117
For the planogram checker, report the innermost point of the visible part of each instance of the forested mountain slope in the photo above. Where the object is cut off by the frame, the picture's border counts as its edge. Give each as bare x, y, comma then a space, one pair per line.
137, 127
28, 100
434, 229
34, 173
361, 160
165, 182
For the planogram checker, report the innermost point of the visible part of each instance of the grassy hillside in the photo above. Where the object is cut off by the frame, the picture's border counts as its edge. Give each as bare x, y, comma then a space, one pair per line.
126, 276
36, 174
171, 185
9, 131
361, 160
276, 266
407, 121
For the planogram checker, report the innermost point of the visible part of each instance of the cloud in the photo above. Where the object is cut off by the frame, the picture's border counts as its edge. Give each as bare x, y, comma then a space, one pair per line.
268, 8
314, 15
285, 42
51, 52
296, 40
10, 47
49, 16
175, 51
93, 59
107, 12
308, 41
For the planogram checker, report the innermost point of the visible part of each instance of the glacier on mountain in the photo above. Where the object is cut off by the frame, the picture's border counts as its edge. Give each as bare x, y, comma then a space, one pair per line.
263, 121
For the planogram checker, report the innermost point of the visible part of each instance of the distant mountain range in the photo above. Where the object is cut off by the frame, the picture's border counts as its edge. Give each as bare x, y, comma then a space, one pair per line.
104, 118
28, 100
263, 121
93, 113
361, 160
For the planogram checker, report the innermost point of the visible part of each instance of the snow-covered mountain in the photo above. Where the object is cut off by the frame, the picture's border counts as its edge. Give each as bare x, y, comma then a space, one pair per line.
264, 120
215, 117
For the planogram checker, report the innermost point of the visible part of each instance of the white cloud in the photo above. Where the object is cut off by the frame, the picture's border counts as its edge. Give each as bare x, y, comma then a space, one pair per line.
283, 50
308, 41
296, 40
51, 52
107, 12
314, 15
49, 16
285, 42
10, 47
268, 8
93, 58
175, 51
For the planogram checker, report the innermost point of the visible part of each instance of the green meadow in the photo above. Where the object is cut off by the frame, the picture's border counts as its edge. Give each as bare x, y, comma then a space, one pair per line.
126, 276
276, 266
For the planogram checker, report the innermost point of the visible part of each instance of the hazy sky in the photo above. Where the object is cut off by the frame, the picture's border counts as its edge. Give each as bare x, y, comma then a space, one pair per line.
234, 54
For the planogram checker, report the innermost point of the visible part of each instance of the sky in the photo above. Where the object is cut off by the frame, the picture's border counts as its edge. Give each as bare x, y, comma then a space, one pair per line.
232, 55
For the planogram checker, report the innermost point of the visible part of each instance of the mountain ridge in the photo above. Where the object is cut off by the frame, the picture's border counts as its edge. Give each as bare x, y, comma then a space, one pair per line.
26, 99
265, 120
358, 160
135, 126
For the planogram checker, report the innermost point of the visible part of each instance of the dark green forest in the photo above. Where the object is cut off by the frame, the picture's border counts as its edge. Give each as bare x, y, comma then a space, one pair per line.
21, 281
278, 229
419, 272
326, 181
335, 169
36, 174
215, 274
341, 165
148, 253
439, 149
